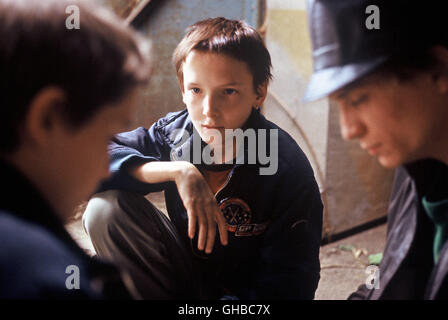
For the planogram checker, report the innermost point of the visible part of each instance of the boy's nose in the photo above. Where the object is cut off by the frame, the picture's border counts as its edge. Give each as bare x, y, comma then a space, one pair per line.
351, 126
209, 107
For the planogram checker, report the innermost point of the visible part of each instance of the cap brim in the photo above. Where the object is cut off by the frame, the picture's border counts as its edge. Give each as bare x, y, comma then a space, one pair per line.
326, 81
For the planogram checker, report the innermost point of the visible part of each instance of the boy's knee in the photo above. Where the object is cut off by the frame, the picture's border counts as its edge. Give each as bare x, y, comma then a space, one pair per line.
100, 212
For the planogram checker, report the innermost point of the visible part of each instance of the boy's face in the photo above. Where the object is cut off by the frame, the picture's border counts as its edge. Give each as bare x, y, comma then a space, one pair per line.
396, 121
218, 91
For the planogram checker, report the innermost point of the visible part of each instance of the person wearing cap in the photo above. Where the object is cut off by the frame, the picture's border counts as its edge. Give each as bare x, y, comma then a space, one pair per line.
390, 83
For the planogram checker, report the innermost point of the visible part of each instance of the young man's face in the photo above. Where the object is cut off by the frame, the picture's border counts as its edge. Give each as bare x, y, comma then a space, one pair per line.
396, 121
218, 91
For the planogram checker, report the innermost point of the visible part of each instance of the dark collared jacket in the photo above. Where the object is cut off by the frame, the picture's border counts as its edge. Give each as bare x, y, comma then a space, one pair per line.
38, 258
274, 238
407, 270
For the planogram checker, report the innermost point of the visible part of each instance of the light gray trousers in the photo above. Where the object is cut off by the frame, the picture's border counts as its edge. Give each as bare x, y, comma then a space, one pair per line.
126, 229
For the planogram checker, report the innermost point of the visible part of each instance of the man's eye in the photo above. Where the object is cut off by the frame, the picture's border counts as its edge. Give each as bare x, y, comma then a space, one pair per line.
359, 100
230, 91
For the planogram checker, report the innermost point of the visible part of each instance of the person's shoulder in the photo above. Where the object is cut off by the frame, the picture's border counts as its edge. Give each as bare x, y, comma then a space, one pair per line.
173, 125
285, 141
172, 119
34, 262
160, 130
291, 158
17, 234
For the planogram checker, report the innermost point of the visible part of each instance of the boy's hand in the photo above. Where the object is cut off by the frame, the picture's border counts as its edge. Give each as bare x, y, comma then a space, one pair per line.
201, 206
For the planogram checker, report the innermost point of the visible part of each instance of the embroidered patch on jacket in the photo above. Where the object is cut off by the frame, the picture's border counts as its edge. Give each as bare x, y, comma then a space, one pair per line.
251, 229
238, 216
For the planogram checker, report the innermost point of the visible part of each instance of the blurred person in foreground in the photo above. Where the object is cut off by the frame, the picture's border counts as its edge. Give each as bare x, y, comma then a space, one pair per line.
63, 94
385, 65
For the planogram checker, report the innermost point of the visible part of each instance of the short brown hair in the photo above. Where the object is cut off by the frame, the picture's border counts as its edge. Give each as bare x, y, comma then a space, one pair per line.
232, 37
95, 65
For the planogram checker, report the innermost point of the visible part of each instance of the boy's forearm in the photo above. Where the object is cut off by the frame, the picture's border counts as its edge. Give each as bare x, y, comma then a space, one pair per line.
159, 171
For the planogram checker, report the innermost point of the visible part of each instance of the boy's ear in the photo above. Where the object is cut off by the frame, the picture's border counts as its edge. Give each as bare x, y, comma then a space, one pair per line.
183, 96
44, 114
261, 93
182, 91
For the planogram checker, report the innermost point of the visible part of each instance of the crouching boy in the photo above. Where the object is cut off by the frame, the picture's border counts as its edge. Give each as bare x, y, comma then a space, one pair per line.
259, 193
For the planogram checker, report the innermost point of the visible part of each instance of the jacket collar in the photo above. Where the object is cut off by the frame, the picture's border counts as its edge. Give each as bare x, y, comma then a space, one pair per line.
423, 172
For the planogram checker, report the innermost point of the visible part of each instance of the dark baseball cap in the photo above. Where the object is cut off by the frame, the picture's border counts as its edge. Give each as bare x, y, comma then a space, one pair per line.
352, 38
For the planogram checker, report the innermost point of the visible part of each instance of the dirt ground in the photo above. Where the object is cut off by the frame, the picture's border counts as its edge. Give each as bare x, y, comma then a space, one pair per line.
343, 263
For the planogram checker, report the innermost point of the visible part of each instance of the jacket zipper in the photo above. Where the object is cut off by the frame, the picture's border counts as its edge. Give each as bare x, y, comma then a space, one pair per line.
226, 183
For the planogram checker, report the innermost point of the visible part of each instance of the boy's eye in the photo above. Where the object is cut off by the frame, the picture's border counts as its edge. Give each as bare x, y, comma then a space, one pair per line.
229, 91
195, 90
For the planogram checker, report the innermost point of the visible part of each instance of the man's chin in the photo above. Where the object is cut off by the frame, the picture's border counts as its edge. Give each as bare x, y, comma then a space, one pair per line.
389, 162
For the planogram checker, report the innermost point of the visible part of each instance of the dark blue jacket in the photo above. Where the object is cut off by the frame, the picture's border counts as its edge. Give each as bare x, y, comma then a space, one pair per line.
272, 254
35, 250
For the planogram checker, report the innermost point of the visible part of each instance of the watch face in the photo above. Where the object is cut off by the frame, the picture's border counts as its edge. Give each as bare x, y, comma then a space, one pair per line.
236, 212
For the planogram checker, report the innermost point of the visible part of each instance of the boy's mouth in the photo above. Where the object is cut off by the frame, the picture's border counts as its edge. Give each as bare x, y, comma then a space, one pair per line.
209, 126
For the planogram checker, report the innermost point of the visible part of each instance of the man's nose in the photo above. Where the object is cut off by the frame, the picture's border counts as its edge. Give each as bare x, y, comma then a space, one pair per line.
351, 126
